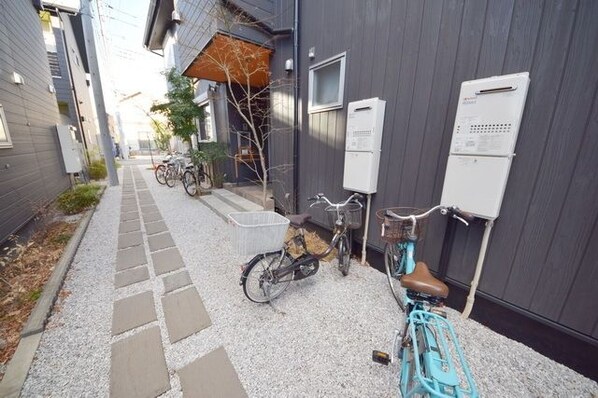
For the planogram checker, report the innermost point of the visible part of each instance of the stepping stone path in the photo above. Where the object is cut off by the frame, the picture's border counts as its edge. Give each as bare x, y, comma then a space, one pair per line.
146, 251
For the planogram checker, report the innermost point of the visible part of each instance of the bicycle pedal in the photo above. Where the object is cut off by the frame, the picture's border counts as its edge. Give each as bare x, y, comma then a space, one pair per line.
381, 357
438, 311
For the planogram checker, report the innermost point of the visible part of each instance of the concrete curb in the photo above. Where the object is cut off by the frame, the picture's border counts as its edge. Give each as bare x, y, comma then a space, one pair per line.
18, 367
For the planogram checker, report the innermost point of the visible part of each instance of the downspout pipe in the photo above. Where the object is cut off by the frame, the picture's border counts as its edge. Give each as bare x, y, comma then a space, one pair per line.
296, 68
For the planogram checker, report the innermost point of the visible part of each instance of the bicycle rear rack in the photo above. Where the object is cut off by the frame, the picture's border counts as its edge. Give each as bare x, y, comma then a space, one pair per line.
440, 367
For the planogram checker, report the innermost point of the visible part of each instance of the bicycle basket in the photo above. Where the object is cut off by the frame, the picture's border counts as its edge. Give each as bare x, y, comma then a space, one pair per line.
351, 213
394, 230
257, 231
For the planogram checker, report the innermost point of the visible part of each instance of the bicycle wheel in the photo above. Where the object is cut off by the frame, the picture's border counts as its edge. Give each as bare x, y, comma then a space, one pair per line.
344, 255
258, 283
205, 181
395, 268
170, 177
190, 183
159, 173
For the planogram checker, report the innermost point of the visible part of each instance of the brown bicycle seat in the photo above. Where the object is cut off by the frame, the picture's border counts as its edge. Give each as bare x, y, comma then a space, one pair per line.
297, 220
422, 281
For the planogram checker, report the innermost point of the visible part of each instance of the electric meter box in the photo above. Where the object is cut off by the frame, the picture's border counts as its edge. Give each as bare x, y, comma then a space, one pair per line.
483, 143
70, 148
365, 122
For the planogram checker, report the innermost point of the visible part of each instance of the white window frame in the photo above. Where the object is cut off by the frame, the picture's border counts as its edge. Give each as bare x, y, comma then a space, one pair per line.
311, 108
4, 126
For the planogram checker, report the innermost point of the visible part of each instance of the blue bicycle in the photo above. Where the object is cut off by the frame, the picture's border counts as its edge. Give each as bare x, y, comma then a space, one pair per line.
432, 362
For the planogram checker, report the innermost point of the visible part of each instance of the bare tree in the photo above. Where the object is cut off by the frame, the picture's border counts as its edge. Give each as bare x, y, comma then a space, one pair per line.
244, 67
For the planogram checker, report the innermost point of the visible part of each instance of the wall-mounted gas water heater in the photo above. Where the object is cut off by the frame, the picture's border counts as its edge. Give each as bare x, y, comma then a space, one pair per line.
482, 149
365, 122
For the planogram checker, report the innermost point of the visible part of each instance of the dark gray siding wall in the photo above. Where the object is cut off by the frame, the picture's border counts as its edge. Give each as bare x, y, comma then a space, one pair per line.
196, 29
261, 10
62, 84
415, 54
36, 173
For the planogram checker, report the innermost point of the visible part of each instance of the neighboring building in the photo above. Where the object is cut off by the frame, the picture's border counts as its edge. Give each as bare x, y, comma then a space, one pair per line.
540, 268
31, 166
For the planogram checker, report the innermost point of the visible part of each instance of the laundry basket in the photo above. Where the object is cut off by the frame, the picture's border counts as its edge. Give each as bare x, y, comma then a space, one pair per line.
256, 232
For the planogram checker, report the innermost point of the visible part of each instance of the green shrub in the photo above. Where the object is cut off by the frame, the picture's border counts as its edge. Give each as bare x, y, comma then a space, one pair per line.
97, 170
79, 198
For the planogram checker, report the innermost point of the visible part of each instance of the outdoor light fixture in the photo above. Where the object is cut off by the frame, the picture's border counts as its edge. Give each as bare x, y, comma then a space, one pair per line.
311, 53
288, 65
176, 17
51, 88
17, 79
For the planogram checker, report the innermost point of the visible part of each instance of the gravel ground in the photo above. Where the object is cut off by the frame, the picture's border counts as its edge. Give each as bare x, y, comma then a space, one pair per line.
316, 340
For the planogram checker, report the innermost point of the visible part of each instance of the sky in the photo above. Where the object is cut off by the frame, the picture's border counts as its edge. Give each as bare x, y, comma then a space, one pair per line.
129, 66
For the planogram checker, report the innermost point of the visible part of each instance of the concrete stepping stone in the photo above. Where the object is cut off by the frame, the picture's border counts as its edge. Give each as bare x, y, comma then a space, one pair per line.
129, 201
212, 375
167, 261
133, 215
176, 281
128, 208
130, 239
129, 226
130, 276
152, 217
138, 367
185, 314
132, 312
149, 209
146, 201
161, 241
131, 257
155, 227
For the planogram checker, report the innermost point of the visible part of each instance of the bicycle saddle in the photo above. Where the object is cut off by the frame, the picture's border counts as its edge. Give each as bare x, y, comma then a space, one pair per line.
297, 220
422, 281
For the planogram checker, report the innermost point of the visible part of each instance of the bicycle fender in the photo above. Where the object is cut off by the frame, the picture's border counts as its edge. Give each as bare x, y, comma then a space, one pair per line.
251, 263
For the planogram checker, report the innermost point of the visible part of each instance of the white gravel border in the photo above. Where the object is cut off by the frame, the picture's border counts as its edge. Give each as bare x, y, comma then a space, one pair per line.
316, 342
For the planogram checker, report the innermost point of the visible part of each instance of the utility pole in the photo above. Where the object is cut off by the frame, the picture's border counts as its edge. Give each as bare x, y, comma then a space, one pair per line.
98, 93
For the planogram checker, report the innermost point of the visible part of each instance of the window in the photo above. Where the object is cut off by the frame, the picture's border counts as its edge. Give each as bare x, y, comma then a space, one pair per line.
48, 23
5, 141
326, 84
205, 127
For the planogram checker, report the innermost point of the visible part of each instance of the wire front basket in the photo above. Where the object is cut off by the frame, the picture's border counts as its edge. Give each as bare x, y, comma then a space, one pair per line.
349, 213
393, 230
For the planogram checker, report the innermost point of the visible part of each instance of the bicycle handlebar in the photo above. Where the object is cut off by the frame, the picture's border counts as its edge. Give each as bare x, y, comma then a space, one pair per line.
320, 198
454, 212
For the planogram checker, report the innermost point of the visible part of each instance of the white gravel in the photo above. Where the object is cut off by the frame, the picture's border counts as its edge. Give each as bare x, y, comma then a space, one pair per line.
317, 341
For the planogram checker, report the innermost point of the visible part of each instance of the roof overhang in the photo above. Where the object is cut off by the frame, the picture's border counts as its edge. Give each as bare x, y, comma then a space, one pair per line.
225, 55
159, 19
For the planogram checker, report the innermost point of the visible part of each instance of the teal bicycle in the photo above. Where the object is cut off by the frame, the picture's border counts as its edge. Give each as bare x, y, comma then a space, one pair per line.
432, 362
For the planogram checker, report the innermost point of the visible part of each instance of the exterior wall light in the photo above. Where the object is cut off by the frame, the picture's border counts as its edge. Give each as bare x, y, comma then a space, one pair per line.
288, 65
17, 79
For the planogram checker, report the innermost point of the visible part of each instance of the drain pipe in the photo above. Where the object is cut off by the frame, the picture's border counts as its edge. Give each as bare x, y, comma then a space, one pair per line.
296, 107
365, 231
478, 270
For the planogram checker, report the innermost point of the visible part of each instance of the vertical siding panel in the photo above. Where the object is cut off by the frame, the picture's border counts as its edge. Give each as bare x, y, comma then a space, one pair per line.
496, 34
368, 42
560, 154
380, 54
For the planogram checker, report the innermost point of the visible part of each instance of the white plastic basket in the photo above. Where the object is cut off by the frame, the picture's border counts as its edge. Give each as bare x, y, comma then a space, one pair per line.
256, 232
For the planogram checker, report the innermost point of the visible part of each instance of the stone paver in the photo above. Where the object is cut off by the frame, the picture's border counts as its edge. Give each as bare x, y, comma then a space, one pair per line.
132, 312
130, 276
130, 239
131, 257
129, 201
161, 241
152, 217
213, 375
138, 367
129, 226
185, 314
128, 208
147, 209
155, 227
144, 201
133, 215
176, 281
167, 261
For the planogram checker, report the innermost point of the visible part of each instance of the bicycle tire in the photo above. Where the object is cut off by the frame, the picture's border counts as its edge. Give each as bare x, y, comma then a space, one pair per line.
205, 181
190, 183
344, 255
393, 256
250, 278
159, 174
170, 177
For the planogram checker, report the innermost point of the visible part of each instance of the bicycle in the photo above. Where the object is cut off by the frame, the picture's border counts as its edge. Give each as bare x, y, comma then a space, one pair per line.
174, 170
432, 362
160, 170
192, 175
267, 275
